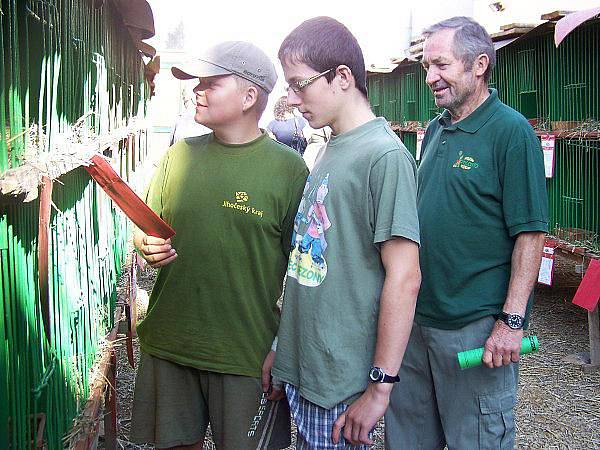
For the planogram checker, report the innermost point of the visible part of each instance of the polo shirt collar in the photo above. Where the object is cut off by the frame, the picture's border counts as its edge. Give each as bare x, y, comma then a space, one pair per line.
474, 121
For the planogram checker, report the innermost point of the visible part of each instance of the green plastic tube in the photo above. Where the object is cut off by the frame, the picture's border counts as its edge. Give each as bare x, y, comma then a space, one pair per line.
472, 358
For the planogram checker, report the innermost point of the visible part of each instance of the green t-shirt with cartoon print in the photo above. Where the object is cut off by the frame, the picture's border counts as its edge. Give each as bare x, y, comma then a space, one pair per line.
232, 207
361, 193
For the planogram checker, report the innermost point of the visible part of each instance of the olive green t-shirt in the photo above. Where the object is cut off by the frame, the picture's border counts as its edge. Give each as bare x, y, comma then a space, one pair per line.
481, 183
232, 207
361, 192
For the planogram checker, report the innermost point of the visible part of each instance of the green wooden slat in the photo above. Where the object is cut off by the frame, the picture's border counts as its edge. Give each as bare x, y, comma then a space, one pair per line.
4, 291
48, 81
3, 80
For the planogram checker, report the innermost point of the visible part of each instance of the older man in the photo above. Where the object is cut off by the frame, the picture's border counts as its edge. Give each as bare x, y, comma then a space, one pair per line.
483, 212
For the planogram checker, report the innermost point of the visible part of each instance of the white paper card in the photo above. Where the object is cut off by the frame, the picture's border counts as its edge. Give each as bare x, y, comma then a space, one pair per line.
420, 136
547, 267
548, 145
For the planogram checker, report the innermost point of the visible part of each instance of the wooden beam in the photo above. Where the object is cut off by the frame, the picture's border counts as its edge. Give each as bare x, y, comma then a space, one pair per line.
43, 252
510, 26
555, 15
574, 134
594, 326
110, 404
87, 437
513, 32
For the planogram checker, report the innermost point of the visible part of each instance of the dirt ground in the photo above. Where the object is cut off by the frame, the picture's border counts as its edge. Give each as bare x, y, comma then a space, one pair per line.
559, 404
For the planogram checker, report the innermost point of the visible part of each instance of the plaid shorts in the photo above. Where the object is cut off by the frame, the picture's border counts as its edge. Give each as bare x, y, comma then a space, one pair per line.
314, 424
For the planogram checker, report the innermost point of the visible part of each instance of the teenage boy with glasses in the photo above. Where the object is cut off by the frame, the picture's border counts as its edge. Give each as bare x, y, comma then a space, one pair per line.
353, 274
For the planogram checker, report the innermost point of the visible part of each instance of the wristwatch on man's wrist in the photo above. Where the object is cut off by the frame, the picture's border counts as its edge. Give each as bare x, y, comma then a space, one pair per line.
514, 321
377, 375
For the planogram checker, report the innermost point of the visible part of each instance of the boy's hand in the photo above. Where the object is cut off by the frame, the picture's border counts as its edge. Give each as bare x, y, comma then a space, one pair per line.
275, 392
156, 251
361, 416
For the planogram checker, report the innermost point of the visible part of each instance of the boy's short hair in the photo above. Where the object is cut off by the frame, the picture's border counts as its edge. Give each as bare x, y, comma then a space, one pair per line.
262, 96
323, 43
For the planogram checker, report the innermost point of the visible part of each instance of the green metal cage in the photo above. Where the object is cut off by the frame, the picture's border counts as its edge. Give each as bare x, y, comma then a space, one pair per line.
60, 60
402, 96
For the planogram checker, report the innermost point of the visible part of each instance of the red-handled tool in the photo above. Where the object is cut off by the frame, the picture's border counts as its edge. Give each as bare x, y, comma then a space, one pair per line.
129, 202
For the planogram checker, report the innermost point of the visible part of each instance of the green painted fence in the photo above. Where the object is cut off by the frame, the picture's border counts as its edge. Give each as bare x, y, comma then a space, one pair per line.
402, 96
557, 89
60, 60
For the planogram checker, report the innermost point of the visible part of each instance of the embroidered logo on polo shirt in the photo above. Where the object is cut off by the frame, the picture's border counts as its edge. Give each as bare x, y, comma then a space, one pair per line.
465, 162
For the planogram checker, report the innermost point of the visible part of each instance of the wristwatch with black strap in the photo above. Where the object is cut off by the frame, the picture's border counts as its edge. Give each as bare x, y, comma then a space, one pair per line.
514, 321
377, 375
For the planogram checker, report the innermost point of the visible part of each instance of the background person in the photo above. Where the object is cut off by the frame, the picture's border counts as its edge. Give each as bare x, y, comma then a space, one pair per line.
316, 142
287, 127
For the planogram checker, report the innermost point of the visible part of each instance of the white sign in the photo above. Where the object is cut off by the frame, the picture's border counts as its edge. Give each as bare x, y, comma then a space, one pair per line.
420, 136
547, 267
548, 145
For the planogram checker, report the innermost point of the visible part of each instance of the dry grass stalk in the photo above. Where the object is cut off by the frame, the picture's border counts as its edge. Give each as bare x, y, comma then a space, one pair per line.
69, 150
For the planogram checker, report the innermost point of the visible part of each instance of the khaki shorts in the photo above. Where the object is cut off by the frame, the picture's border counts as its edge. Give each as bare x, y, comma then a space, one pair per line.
173, 405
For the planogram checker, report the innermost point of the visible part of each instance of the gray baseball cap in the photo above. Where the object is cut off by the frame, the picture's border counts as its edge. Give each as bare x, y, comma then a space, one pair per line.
232, 57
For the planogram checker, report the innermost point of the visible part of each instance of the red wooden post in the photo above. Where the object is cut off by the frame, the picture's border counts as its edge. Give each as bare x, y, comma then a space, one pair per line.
594, 325
110, 405
43, 232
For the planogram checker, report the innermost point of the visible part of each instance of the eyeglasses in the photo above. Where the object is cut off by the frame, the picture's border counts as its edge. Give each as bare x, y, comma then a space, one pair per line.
297, 86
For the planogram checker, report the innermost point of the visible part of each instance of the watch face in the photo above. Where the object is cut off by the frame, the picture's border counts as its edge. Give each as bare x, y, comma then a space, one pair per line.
375, 374
514, 321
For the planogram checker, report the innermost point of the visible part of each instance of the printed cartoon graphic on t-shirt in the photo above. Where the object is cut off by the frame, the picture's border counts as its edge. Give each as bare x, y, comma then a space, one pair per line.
307, 262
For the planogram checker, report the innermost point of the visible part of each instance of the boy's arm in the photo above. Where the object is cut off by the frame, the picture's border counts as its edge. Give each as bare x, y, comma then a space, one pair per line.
400, 258
156, 251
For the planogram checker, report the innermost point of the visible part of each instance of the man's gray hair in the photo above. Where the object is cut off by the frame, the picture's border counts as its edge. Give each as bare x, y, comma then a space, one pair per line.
470, 41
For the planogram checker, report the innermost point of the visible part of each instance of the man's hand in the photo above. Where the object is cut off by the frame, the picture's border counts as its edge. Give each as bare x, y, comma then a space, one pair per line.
156, 251
275, 392
503, 346
361, 416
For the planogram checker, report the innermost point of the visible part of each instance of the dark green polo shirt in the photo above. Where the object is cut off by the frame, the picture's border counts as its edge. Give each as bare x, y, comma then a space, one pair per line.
481, 182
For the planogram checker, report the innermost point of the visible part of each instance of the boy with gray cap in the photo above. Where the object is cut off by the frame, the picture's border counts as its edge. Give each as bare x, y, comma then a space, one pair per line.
231, 196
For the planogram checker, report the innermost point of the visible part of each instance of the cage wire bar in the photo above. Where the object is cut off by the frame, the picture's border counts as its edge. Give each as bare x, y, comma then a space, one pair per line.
60, 60
4, 411
556, 89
